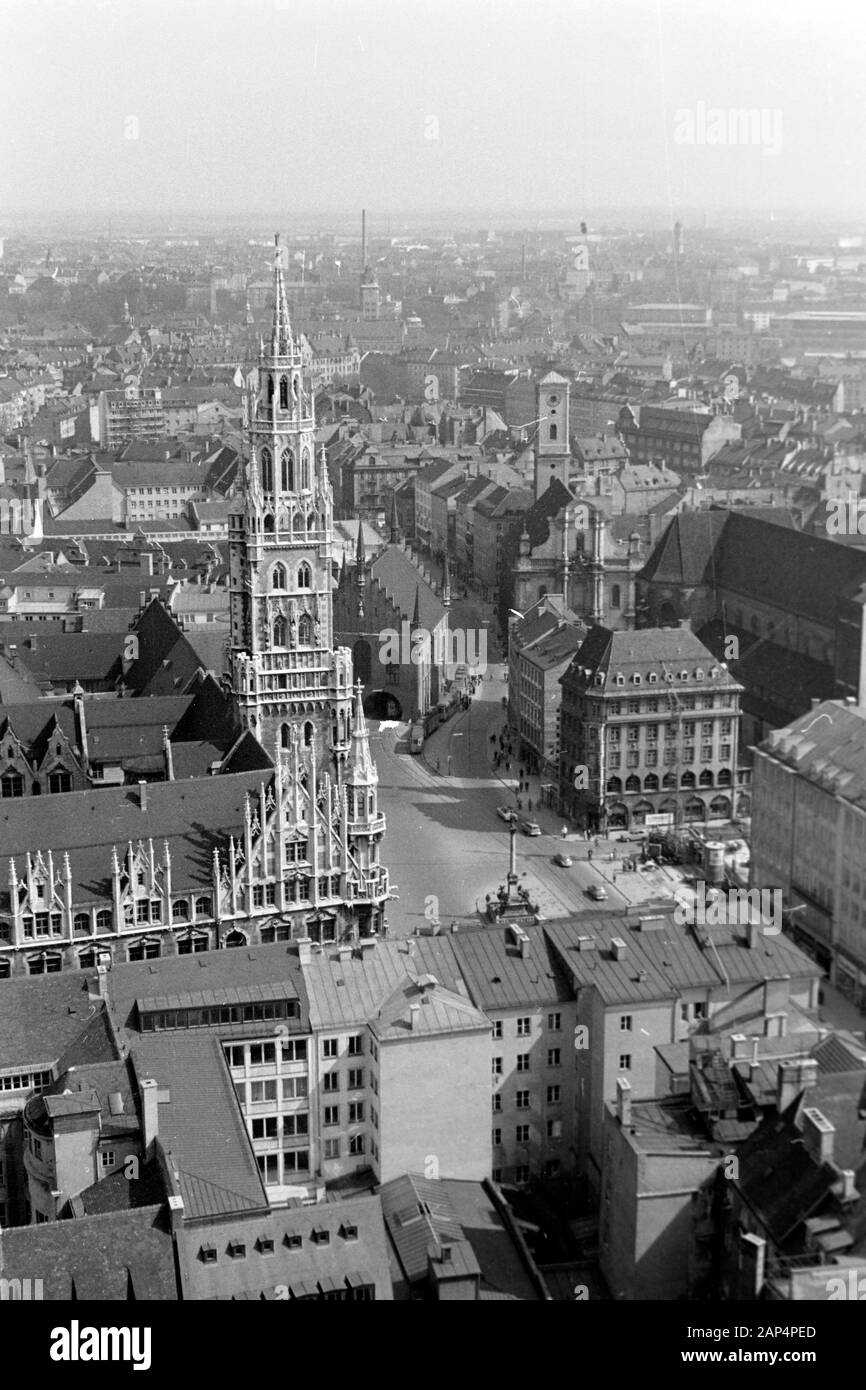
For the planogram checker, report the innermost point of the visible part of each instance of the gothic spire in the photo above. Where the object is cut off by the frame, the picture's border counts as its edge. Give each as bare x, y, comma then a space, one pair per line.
395, 521
281, 335
361, 765
416, 616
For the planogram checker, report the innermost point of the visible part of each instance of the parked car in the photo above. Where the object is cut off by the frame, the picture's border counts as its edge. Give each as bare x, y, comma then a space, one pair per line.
564, 861
597, 893
506, 813
530, 827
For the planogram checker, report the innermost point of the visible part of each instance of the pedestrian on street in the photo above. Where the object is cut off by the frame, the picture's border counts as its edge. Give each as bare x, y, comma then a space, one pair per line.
507, 765
589, 854
519, 804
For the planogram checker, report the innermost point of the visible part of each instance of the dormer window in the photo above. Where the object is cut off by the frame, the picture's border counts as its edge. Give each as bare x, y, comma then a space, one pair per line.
208, 1254
652, 677
699, 675
321, 1236
349, 1232
293, 1242
237, 1249
619, 678
636, 678
684, 675
265, 1245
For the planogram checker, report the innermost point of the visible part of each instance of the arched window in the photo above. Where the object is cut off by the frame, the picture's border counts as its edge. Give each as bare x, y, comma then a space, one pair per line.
305, 576
81, 923
278, 577
553, 433
270, 389
615, 596
235, 938
267, 470
651, 782
706, 778
632, 784
285, 736
724, 777
5, 931
104, 921
295, 389
284, 393
180, 911
269, 524
305, 469
308, 734
281, 632
305, 630
614, 784
687, 779
287, 471
203, 906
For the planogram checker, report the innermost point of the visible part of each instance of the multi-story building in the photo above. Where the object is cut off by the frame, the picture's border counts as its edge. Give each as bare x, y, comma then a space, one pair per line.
809, 834
649, 727
132, 413
488, 520
541, 647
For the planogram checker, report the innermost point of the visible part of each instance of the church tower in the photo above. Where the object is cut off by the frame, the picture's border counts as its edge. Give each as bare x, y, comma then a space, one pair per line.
285, 673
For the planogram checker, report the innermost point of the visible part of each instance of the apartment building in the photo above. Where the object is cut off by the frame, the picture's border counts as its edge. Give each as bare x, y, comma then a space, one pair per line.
132, 413
649, 727
809, 834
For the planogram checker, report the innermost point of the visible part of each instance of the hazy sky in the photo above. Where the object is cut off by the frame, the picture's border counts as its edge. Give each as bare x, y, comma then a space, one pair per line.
229, 106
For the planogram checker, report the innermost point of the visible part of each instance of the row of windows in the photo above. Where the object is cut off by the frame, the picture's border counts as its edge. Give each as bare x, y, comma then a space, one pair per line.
163, 1019
554, 1059
522, 1133
524, 1025
553, 1096
290, 1126
651, 782
12, 784
651, 731
243, 1055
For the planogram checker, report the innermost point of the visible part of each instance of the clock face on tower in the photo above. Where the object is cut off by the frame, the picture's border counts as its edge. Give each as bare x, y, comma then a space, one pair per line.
553, 400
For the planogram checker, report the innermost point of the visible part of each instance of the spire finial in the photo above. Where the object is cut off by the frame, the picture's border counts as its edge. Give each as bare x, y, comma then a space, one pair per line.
281, 336
395, 521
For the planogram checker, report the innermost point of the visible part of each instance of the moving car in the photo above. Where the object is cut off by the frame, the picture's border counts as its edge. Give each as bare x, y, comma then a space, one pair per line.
506, 813
530, 827
564, 861
597, 893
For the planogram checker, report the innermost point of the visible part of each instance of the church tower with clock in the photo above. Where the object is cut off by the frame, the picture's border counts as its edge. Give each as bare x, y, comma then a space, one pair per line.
285, 673
310, 860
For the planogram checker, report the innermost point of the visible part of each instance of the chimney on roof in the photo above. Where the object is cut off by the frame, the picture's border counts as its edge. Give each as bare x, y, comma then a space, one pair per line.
414, 1010
623, 1101
145, 562
142, 794
792, 1079
818, 1135
149, 1091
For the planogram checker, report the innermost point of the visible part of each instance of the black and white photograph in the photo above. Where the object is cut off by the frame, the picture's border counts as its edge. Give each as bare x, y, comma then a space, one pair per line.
432, 668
